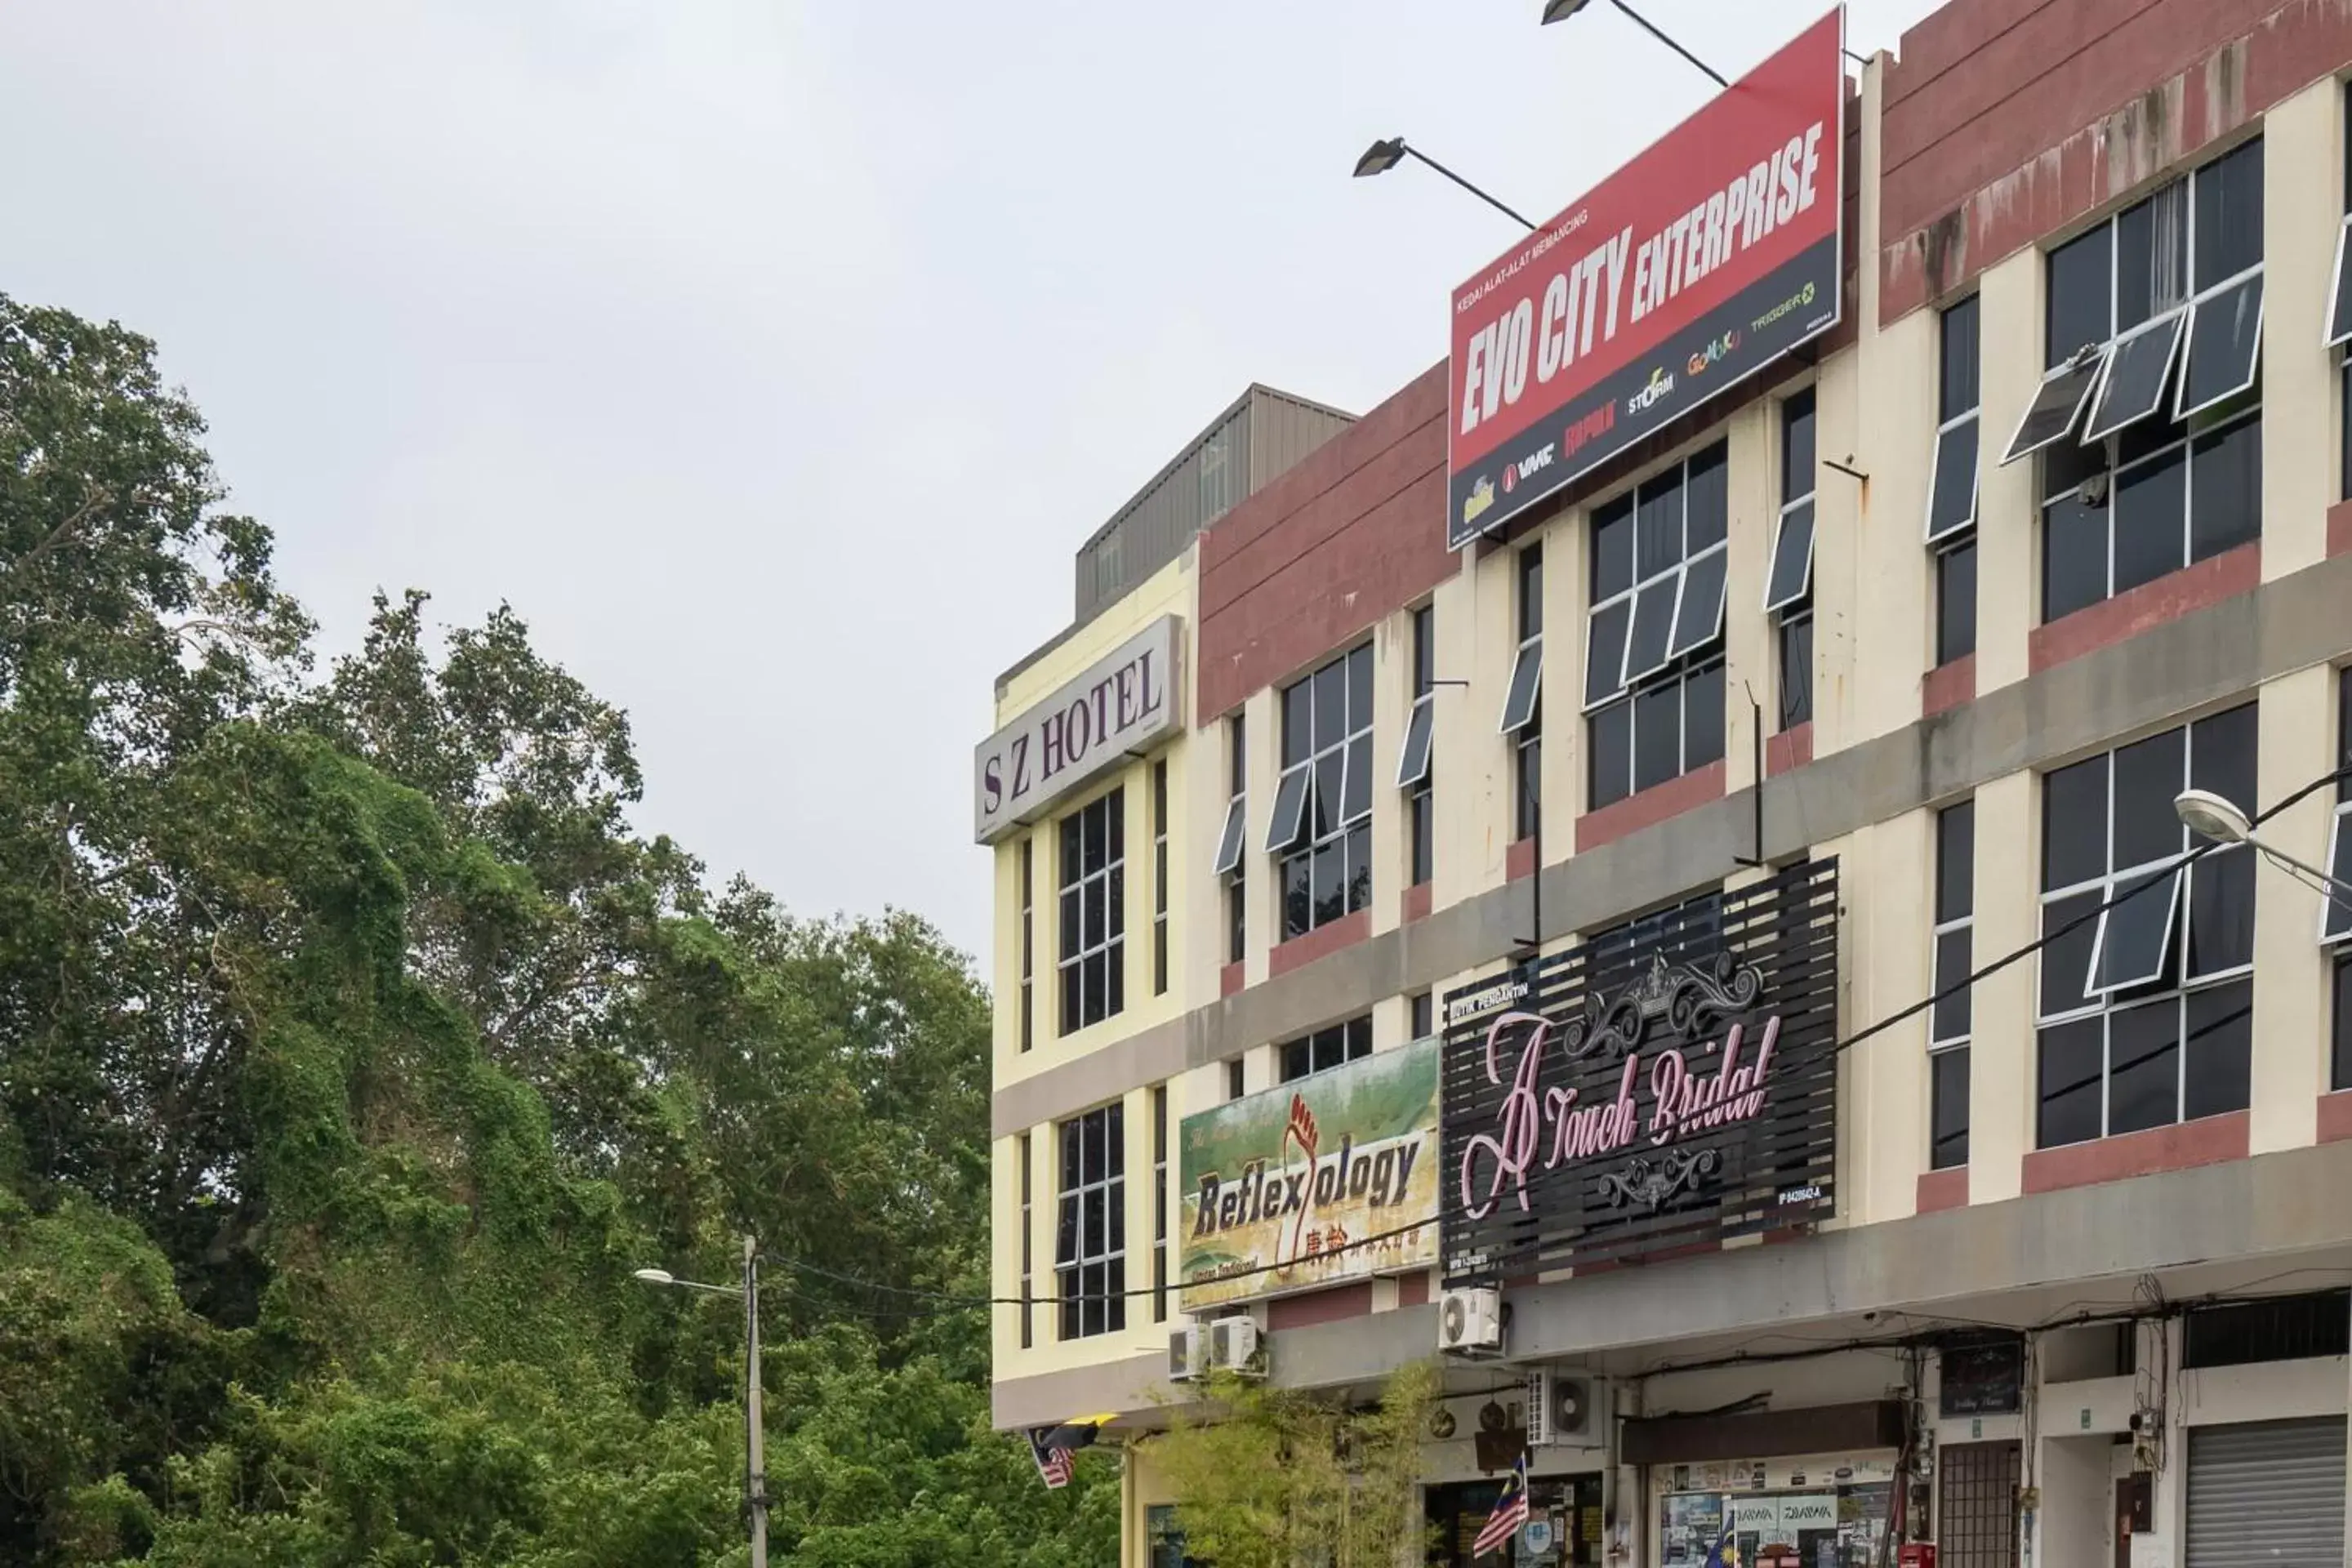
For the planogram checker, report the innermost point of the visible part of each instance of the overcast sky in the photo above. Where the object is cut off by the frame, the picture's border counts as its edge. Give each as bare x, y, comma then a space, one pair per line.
772, 359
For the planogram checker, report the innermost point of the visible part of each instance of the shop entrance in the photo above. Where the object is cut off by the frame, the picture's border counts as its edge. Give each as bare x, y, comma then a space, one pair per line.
1565, 1510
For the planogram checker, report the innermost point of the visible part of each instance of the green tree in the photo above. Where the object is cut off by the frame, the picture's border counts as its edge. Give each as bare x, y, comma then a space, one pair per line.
354, 1047
1274, 1479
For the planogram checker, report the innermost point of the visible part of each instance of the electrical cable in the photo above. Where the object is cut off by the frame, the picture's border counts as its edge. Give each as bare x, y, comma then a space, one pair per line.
956, 1302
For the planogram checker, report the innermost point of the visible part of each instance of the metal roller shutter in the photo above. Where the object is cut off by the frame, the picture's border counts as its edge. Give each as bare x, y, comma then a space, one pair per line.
2266, 1495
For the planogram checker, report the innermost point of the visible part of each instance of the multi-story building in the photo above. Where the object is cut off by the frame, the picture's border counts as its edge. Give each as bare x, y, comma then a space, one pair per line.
1726, 918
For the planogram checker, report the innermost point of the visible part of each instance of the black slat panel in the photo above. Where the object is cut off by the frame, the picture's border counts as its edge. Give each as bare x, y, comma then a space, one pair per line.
1543, 1135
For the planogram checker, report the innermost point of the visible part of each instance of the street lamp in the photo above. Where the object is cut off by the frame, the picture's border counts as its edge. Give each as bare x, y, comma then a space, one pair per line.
2214, 816
755, 1460
1382, 156
1561, 10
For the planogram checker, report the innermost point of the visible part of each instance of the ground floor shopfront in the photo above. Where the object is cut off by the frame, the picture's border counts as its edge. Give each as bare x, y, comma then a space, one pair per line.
2158, 1427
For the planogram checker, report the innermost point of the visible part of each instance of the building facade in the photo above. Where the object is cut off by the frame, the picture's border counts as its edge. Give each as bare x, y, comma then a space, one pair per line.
1337, 973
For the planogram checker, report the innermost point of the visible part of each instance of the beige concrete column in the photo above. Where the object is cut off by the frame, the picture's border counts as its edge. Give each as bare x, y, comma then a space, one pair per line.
2291, 979
1463, 760
1840, 569
2001, 1058
1887, 970
1749, 670
2009, 514
2303, 203
1893, 598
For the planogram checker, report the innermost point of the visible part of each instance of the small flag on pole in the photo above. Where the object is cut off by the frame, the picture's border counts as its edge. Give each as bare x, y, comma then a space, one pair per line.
1510, 1513
1724, 1554
1056, 1447
1054, 1465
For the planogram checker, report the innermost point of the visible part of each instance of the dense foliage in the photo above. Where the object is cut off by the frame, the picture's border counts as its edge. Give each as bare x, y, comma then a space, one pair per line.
354, 1050
1272, 1478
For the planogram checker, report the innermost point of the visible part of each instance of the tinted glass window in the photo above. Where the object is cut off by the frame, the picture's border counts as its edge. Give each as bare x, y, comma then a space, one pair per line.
2079, 302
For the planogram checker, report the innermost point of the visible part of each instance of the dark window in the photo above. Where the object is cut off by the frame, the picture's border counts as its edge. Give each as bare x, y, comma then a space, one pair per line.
1326, 1048
1414, 770
1325, 839
1692, 929
1232, 863
1021, 1152
1976, 1505
1949, 1019
1789, 585
2145, 1005
1160, 1204
1952, 485
1094, 912
1236, 1081
1955, 599
2168, 468
2285, 1328
1090, 1246
1654, 662
1159, 878
1424, 1015
1027, 873
1523, 705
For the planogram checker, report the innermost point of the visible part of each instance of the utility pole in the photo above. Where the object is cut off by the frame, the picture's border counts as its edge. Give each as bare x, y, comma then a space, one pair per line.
755, 1453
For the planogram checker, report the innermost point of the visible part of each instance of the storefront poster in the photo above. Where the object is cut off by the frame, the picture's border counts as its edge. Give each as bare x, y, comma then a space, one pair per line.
1283, 1188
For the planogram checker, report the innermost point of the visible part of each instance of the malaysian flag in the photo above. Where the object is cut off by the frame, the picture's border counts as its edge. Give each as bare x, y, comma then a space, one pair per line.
1054, 1465
1725, 1554
1510, 1513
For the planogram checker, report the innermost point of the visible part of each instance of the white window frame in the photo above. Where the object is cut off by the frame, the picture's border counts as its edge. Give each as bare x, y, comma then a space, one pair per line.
1112, 948
1303, 841
2333, 906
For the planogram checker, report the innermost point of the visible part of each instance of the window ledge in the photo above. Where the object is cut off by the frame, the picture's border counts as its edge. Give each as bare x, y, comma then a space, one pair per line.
2335, 1115
1231, 978
1659, 802
1947, 686
2210, 1140
1789, 751
1944, 1189
1414, 905
2339, 529
1345, 931
1519, 859
2151, 605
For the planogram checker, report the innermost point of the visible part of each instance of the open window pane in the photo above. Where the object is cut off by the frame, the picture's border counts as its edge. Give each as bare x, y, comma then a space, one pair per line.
1604, 651
2335, 915
1654, 626
1355, 788
2138, 369
1699, 621
1527, 678
1952, 486
1229, 842
1289, 811
2225, 340
2057, 405
1412, 764
2339, 298
2135, 933
1793, 559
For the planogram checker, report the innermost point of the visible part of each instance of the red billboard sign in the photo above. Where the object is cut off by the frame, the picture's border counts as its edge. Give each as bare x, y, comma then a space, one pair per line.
1709, 256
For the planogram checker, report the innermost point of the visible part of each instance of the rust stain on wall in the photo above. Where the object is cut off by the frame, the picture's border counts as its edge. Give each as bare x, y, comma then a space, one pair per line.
2225, 89
1946, 245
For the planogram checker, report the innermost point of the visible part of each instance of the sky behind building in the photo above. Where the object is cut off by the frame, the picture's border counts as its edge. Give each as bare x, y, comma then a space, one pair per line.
772, 360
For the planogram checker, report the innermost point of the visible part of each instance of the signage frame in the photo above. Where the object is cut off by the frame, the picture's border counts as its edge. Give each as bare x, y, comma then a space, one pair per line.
1127, 700
1698, 1100
1371, 1125
1763, 295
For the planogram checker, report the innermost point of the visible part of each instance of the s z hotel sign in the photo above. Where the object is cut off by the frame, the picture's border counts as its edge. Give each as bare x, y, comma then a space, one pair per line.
1670, 1084
1123, 703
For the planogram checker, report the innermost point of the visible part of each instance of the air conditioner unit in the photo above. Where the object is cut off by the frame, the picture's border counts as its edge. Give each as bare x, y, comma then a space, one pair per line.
1564, 1407
1187, 1353
1232, 1344
1470, 1320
